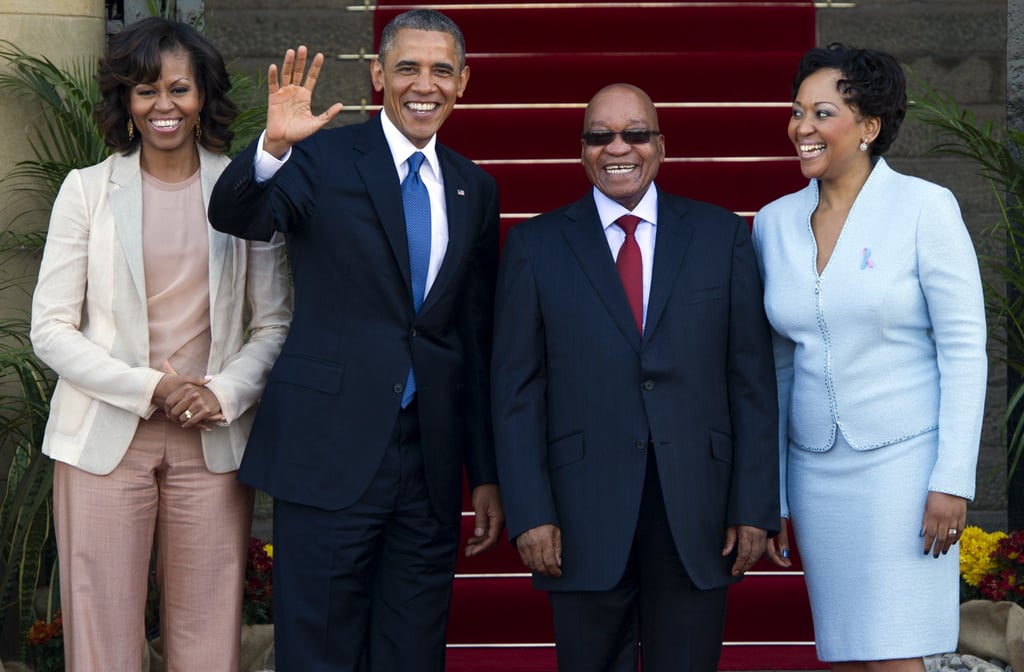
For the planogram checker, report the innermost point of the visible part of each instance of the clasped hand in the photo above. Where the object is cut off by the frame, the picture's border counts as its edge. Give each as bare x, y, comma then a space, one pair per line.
186, 399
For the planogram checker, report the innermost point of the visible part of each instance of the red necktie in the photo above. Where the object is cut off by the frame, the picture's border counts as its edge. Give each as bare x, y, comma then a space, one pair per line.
631, 268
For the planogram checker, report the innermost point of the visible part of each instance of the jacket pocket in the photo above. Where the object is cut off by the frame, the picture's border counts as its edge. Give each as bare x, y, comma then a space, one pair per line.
721, 447
565, 451
312, 373
707, 294
69, 408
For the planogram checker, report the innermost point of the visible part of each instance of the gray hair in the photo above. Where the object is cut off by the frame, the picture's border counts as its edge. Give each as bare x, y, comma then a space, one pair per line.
422, 19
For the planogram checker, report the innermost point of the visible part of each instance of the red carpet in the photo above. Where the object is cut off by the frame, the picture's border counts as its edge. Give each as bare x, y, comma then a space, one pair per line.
719, 72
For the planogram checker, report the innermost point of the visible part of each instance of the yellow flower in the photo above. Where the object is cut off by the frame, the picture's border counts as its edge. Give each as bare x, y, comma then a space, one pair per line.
975, 548
269, 550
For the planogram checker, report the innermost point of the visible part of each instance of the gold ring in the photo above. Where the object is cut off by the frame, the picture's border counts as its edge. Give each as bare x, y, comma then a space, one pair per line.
188, 416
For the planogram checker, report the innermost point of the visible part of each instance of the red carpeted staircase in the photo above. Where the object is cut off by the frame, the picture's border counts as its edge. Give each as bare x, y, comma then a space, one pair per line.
719, 72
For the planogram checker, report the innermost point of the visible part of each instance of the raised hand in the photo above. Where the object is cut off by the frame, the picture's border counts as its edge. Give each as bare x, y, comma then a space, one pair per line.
290, 118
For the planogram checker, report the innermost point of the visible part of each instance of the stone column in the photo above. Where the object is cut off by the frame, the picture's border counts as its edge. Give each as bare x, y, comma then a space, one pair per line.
60, 30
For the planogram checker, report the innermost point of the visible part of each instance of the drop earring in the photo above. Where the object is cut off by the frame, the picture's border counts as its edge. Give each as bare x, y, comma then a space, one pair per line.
199, 129
863, 145
131, 129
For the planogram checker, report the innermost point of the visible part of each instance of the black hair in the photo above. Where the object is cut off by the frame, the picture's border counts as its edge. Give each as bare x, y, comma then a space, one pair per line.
134, 56
871, 82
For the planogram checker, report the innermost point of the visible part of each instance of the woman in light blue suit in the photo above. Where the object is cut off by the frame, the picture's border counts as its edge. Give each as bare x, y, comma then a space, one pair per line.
873, 291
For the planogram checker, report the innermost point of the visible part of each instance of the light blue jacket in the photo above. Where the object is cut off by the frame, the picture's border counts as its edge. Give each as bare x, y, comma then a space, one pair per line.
889, 341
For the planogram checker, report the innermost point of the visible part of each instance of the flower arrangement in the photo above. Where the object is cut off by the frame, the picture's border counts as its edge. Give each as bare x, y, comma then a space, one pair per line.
992, 565
46, 645
258, 599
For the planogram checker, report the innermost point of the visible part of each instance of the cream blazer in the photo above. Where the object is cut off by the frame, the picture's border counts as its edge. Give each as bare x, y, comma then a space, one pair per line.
90, 321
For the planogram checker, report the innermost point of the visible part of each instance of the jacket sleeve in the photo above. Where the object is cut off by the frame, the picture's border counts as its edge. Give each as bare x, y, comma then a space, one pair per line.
475, 323
243, 207
951, 282
783, 350
753, 401
519, 379
58, 305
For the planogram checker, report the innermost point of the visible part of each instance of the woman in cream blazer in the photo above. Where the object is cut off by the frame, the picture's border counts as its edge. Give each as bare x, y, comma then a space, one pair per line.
162, 332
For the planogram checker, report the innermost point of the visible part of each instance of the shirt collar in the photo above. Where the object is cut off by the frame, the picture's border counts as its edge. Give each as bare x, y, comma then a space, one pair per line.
402, 148
609, 210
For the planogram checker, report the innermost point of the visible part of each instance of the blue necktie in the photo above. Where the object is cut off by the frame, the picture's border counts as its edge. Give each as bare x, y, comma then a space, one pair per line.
416, 202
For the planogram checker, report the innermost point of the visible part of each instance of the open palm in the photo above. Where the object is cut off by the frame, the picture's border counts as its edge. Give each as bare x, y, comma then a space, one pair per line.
290, 117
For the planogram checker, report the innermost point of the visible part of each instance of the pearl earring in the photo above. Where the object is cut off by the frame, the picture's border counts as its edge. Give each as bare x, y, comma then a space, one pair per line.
863, 145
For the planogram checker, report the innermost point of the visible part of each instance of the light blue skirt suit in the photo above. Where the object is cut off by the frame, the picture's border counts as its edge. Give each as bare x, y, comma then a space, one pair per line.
882, 370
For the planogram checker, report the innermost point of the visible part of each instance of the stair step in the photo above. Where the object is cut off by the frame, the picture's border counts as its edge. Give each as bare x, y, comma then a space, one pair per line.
769, 607
554, 133
383, 6
741, 186
548, 78
597, 28
799, 656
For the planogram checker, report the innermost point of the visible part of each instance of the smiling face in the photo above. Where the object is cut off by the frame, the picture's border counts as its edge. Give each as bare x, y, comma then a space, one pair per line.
165, 112
619, 170
421, 79
826, 131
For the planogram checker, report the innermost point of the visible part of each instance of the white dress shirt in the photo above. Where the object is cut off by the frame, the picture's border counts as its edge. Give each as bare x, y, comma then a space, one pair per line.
266, 166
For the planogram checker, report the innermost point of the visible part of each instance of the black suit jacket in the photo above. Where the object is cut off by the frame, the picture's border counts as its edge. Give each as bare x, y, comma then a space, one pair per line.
577, 392
332, 398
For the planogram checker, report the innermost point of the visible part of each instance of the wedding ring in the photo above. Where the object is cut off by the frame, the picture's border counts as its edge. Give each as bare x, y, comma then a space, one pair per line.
188, 416
952, 531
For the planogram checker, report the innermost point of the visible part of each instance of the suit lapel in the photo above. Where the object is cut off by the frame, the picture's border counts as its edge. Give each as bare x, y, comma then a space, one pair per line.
458, 226
589, 244
126, 207
673, 239
377, 169
218, 242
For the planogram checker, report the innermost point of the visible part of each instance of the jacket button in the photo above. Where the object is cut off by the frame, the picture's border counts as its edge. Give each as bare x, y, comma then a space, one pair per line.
640, 445
398, 388
648, 384
413, 333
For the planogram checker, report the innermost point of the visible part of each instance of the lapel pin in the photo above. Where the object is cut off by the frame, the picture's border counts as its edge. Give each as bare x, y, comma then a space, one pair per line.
460, 192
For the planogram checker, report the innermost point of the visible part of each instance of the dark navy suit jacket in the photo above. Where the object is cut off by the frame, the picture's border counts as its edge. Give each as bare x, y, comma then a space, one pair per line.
333, 397
578, 393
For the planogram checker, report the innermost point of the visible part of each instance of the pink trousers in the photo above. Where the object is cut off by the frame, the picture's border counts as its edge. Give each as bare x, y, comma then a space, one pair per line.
161, 493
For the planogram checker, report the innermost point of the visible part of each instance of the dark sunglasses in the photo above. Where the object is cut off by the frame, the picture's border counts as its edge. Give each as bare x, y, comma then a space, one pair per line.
602, 138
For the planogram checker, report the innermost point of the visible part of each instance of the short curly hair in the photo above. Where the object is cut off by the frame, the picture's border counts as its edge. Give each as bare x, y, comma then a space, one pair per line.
134, 56
871, 82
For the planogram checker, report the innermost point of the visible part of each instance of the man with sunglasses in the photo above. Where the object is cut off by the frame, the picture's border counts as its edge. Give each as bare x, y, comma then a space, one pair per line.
635, 406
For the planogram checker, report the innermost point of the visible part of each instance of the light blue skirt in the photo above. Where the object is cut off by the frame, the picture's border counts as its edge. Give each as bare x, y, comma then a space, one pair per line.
857, 520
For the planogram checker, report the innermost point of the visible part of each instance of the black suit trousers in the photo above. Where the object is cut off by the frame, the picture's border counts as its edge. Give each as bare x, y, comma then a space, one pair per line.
654, 614
366, 588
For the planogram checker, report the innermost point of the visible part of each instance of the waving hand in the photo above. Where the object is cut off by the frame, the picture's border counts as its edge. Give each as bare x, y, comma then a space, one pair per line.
289, 115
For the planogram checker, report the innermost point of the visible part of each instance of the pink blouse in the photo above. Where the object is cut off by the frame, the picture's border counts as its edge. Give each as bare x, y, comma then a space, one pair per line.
176, 254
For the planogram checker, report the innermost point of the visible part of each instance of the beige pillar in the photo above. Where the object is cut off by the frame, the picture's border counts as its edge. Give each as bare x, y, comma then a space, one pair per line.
62, 31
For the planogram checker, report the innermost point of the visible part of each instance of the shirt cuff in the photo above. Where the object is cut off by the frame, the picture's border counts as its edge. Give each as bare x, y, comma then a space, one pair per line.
266, 165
